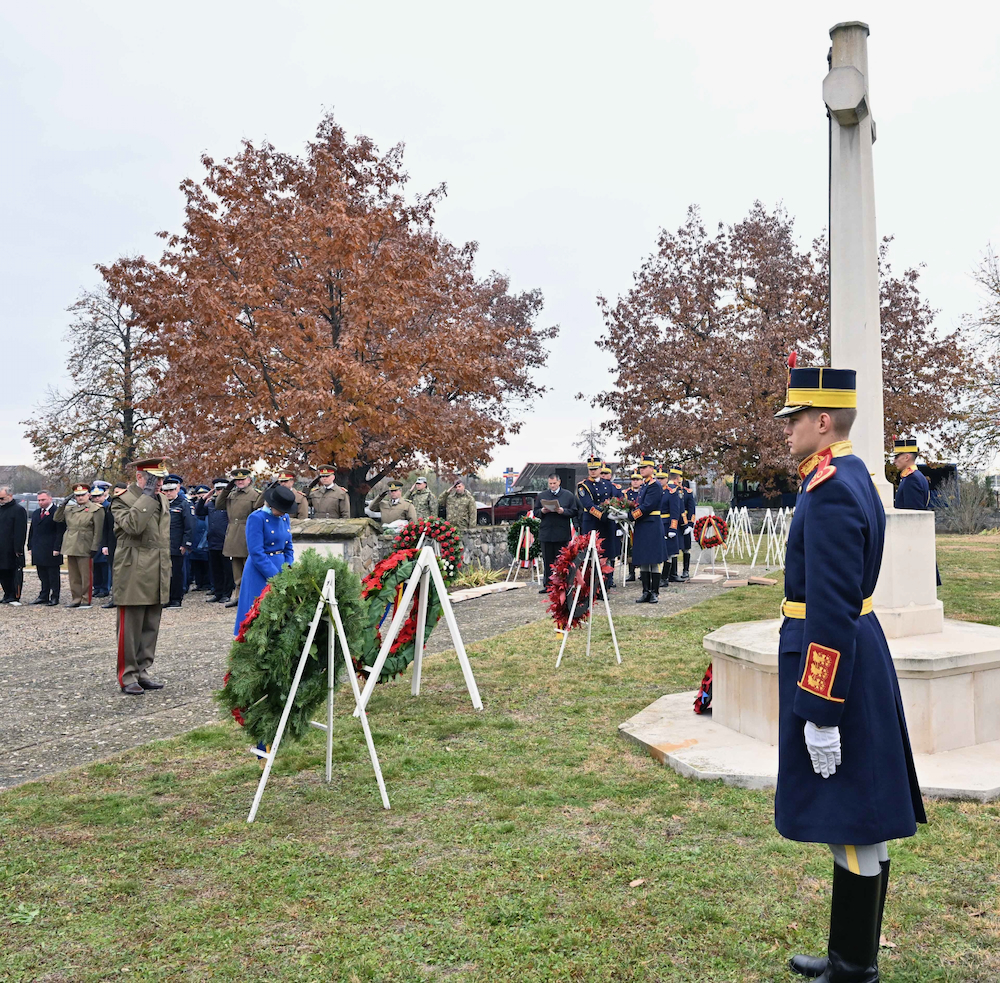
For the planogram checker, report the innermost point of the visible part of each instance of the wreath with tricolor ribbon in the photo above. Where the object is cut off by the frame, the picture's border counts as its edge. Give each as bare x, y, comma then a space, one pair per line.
531, 525
382, 590
444, 533
566, 575
710, 531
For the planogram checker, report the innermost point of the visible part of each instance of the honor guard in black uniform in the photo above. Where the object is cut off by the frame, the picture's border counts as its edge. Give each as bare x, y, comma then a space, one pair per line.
687, 518
914, 491
648, 550
845, 769
632, 495
591, 493
671, 511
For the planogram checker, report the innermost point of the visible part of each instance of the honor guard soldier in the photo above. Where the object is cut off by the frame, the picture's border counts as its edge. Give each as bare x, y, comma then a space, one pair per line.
328, 499
591, 493
239, 498
141, 576
394, 507
608, 475
632, 496
648, 549
845, 769
687, 518
300, 510
424, 501
671, 510
914, 491
82, 539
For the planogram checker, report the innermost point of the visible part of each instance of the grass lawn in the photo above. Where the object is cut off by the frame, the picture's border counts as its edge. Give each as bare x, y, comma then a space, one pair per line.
526, 842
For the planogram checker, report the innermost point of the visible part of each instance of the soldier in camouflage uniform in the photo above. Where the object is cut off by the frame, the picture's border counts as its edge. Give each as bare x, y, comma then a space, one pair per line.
329, 500
459, 506
423, 499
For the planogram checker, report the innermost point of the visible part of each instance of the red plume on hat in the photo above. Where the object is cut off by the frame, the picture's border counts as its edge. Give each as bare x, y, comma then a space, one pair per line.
793, 359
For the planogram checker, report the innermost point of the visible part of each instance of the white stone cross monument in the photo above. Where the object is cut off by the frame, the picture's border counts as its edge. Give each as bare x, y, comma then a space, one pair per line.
949, 671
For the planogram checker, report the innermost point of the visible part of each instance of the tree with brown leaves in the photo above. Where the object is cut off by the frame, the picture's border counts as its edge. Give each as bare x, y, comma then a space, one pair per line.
310, 313
702, 338
102, 422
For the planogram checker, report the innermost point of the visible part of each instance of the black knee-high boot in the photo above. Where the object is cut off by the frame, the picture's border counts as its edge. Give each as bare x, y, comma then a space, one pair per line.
654, 588
814, 966
673, 578
645, 596
631, 574
686, 575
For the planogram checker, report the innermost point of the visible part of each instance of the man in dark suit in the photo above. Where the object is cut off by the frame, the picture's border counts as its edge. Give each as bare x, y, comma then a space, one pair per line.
13, 526
45, 537
554, 530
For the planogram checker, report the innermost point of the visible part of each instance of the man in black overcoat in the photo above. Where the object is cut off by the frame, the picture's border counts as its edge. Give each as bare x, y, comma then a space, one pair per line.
554, 530
45, 537
13, 529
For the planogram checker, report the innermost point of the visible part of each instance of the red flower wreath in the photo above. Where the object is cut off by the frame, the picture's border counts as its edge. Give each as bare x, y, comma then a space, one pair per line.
444, 533
710, 531
251, 616
566, 575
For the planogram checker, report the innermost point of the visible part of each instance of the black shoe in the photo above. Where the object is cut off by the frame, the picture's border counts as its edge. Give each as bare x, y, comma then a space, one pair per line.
211, 599
72, 604
54, 602
173, 604
7, 600
630, 578
110, 604
147, 683
133, 689
233, 604
544, 590
40, 600
224, 599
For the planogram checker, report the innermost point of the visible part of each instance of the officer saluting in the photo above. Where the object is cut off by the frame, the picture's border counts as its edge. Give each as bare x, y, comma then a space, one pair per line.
141, 578
845, 769
239, 498
300, 510
648, 550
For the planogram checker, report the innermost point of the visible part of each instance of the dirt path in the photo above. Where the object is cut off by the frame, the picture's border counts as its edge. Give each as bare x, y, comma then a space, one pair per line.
62, 706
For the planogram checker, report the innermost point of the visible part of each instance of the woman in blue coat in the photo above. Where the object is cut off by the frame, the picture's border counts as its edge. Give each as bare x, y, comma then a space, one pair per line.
269, 546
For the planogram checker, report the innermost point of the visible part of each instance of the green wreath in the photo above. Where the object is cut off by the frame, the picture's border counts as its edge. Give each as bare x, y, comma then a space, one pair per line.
382, 589
265, 653
514, 533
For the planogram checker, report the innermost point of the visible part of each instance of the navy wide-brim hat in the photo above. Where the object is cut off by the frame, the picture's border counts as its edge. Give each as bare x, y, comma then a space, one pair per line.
280, 498
820, 388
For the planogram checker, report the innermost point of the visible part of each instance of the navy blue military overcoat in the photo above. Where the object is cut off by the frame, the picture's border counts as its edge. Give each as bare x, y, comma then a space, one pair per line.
914, 491
690, 510
671, 507
834, 667
592, 494
647, 537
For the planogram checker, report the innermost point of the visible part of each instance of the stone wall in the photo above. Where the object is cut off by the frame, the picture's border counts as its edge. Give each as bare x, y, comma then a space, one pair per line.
362, 543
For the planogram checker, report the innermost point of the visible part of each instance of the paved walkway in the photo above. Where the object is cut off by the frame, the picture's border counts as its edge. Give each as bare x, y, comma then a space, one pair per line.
62, 706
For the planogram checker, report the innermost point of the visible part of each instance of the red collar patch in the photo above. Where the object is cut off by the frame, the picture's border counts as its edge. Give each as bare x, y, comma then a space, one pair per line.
824, 472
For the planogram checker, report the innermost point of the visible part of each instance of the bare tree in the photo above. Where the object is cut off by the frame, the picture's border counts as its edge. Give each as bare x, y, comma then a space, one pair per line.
99, 424
590, 441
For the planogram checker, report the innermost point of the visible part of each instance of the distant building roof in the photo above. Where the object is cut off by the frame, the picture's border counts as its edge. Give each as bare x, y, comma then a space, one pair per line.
539, 470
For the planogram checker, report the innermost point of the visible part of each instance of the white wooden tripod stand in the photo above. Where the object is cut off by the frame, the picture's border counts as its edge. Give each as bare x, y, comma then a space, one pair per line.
591, 566
326, 607
523, 553
425, 570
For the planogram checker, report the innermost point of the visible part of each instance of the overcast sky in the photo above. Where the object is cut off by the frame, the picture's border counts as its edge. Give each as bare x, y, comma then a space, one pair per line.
567, 133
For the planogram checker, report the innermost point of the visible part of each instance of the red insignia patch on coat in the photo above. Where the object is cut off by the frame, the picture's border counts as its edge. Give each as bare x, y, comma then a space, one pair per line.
824, 472
820, 671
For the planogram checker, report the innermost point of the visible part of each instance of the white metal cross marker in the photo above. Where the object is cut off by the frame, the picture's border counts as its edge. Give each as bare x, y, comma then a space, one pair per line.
591, 563
425, 571
326, 607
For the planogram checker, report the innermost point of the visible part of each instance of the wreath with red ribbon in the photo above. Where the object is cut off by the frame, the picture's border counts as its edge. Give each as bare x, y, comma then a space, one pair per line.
382, 591
566, 575
444, 533
710, 531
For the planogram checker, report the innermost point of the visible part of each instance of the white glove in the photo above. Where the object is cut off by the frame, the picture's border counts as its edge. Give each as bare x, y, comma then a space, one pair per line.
688, 530
671, 535
823, 745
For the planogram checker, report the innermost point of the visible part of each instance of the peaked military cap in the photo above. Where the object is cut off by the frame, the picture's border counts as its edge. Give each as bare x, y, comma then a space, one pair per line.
287, 475
172, 481
676, 472
661, 474
905, 445
593, 463
605, 470
156, 466
241, 473
81, 488
326, 469
635, 476
395, 486
820, 388
646, 461
219, 482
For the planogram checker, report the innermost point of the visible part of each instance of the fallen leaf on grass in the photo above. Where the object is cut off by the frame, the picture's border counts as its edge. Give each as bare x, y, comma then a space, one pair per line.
637, 882
884, 943
792, 925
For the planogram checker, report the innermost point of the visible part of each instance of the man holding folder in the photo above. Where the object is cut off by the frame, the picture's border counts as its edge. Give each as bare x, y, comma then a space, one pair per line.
556, 509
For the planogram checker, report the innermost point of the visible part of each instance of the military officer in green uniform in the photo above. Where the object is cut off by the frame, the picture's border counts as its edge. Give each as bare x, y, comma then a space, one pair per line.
300, 510
84, 527
328, 499
239, 498
141, 579
394, 507
459, 506
423, 499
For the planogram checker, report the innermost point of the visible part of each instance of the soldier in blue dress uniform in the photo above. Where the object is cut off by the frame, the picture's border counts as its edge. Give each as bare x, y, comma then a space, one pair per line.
687, 521
269, 546
845, 769
672, 510
914, 491
593, 492
631, 495
648, 551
